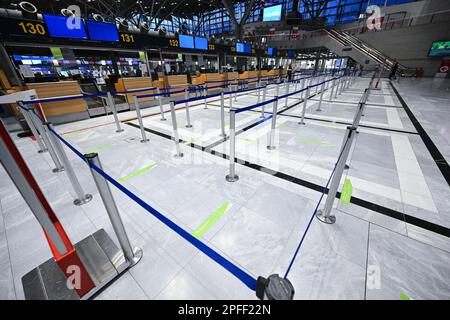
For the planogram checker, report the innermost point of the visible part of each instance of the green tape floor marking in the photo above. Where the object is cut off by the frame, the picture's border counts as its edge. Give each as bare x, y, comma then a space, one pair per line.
192, 140
138, 172
248, 140
322, 143
211, 220
346, 193
98, 149
404, 296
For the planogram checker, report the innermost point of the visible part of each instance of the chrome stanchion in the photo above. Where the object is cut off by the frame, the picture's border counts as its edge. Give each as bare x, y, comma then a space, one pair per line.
232, 177
186, 106
132, 255
205, 94
286, 92
271, 145
82, 197
51, 151
141, 124
333, 83
259, 94
112, 105
325, 214
305, 101
321, 96
179, 154
302, 85
34, 131
161, 108
337, 87
263, 107
235, 91
222, 114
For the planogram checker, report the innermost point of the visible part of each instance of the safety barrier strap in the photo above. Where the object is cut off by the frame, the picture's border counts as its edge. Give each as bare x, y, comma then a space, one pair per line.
242, 275
197, 98
134, 90
255, 105
314, 213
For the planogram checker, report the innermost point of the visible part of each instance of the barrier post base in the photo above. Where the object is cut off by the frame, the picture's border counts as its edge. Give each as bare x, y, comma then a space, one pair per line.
43, 150
145, 140
271, 147
274, 288
58, 170
325, 219
232, 178
120, 130
84, 200
103, 260
189, 126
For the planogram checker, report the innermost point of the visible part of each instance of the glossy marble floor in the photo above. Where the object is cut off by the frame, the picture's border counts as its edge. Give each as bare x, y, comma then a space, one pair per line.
392, 240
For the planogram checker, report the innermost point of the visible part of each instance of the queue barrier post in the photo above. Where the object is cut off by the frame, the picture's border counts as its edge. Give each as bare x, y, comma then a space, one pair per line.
322, 90
232, 176
161, 108
141, 124
132, 255
333, 83
259, 93
271, 144
222, 114
337, 87
82, 197
34, 131
205, 94
286, 93
44, 134
263, 107
186, 106
112, 106
305, 101
179, 154
324, 214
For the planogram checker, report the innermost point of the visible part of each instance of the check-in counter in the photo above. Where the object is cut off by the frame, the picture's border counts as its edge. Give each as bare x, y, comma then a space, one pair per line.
264, 73
134, 83
231, 75
248, 74
274, 72
61, 111
179, 82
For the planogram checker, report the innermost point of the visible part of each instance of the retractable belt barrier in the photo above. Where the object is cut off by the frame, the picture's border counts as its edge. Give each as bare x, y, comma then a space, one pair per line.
242, 275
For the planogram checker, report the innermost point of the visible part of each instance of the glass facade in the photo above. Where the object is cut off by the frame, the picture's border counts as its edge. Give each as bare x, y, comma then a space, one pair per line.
218, 22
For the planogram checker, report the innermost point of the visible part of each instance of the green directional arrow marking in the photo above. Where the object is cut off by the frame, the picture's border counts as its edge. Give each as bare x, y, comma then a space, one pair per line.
98, 149
322, 143
138, 172
404, 296
346, 193
211, 220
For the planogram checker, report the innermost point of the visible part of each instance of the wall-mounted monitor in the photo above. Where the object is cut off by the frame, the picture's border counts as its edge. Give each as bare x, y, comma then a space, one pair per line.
243, 47
102, 31
64, 27
291, 54
439, 49
271, 51
272, 13
201, 43
186, 41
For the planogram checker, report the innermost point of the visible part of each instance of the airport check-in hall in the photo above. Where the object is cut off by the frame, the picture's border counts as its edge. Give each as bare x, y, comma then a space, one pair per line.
225, 150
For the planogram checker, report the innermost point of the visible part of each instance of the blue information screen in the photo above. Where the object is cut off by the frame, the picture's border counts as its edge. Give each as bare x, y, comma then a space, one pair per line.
271, 51
272, 13
102, 31
243, 47
291, 54
63, 27
186, 41
201, 43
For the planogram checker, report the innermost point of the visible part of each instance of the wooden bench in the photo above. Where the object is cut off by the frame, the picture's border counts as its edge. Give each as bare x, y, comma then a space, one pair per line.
59, 89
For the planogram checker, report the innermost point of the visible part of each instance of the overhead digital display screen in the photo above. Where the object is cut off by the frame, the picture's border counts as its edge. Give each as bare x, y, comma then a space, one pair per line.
186, 41
291, 54
243, 47
102, 31
272, 13
271, 51
201, 43
63, 27
440, 49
